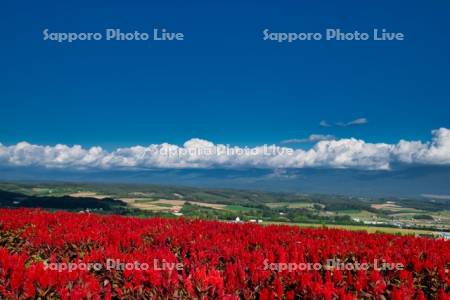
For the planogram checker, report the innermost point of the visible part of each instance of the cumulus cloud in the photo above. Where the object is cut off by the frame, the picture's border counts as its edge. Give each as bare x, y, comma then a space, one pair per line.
312, 138
198, 153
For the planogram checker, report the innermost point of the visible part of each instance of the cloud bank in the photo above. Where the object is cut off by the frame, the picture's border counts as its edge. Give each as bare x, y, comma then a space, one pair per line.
197, 153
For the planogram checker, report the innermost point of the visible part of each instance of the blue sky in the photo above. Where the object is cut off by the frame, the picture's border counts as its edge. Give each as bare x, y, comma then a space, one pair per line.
223, 83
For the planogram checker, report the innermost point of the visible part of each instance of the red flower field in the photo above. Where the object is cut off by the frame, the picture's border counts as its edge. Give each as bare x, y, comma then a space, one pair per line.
85, 256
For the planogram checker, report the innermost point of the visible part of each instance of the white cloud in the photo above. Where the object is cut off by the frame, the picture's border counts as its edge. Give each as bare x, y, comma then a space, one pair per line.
324, 123
359, 121
198, 153
312, 138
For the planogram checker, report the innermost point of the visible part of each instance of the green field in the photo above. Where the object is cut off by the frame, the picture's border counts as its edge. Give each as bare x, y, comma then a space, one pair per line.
407, 216
369, 229
237, 208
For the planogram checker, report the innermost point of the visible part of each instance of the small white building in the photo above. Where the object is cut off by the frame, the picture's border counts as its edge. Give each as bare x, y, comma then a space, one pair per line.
443, 235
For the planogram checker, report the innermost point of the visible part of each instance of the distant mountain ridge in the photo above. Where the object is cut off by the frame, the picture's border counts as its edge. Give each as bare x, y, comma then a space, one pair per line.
408, 182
